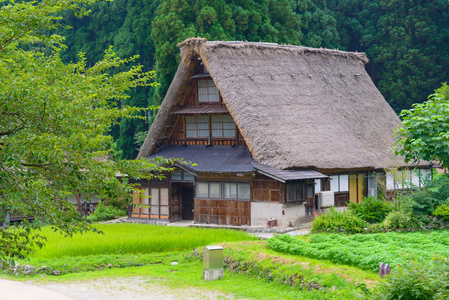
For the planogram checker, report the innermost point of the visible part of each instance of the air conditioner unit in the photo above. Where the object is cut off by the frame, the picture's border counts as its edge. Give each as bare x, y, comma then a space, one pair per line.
326, 199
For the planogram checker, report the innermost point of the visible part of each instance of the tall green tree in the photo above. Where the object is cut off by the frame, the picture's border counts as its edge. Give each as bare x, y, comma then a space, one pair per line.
125, 24
54, 124
406, 42
424, 133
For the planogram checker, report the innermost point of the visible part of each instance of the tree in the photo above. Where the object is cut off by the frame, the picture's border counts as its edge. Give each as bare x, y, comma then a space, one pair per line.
424, 133
406, 42
125, 24
54, 120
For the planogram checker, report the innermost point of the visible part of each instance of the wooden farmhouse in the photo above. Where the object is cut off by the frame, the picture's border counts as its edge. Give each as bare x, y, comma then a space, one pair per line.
268, 129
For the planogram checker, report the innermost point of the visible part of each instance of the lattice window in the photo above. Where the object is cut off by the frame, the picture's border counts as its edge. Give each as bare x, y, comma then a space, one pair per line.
295, 192
241, 191
140, 197
222, 125
197, 126
207, 91
159, 208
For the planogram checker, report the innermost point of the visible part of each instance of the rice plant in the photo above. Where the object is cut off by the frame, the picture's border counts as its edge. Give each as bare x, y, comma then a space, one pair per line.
134, 238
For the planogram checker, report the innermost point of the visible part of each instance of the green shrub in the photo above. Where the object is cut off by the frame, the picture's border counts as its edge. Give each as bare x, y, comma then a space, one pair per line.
103, 213
442, 211
371, 209
420, 221
415, 280
398, 220
335, 221
425, 200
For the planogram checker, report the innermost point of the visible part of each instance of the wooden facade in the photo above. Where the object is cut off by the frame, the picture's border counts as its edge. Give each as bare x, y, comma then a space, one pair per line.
178, 133
222, 212
267, 189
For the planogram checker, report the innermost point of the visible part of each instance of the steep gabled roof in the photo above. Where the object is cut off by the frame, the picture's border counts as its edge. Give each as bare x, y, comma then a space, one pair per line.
296, 107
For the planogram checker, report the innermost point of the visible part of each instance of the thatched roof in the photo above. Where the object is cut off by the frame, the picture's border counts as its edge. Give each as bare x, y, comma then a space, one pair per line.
296, 107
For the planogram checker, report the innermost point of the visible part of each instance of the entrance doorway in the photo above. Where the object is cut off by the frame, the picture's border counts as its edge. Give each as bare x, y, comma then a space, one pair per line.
187, 203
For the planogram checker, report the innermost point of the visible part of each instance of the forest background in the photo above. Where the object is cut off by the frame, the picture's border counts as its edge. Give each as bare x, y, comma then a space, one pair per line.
407, 42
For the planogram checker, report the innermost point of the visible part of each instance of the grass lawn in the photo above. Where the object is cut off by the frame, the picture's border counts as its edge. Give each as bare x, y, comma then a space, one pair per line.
245, 282
254, 271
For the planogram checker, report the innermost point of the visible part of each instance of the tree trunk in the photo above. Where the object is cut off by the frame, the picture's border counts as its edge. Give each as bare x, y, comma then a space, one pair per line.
78, 201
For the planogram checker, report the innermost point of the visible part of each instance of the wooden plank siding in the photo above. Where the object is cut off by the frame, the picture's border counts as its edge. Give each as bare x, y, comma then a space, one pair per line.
341, 199
222, 212
175, 202
267, 190
177, 135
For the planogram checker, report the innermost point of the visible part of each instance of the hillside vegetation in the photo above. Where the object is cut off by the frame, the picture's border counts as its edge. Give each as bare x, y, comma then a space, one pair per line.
404, 40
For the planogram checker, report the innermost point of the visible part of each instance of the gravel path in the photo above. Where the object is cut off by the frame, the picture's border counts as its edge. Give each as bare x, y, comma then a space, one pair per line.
127, 289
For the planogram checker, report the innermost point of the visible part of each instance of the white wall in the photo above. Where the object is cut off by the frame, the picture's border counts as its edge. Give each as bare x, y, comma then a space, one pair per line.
262, 211
406, 178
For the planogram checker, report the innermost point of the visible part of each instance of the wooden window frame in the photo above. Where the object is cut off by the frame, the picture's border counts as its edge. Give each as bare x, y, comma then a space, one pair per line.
210, 136
196, 127
237, 190
139, 212
208, 80
222, 129
160, 216
339, 182
222, 185
297, 184
183, 177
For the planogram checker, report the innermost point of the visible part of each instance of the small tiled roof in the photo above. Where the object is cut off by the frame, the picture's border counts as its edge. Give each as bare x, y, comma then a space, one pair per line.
212, 109
223, 159
287, 175
226, 159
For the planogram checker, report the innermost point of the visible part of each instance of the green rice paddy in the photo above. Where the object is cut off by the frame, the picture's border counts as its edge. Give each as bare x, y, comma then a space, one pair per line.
134, 238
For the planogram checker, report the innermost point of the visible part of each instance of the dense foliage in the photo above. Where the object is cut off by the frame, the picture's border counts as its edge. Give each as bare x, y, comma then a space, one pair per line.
414, 281
405, 41
366, 251
371, 209
338, 221
54, 124
105, 212
424, 134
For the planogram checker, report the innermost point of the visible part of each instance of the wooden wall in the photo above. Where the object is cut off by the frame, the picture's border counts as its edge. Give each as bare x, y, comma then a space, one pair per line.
341, 199
223, 212
220, 211
175, 202
177, 136
267, 190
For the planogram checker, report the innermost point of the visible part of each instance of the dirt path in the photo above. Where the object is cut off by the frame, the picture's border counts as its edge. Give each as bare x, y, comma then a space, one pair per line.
127, 289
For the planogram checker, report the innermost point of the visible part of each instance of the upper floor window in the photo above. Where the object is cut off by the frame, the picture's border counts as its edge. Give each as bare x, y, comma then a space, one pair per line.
207, 91
223, 125
198, 126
